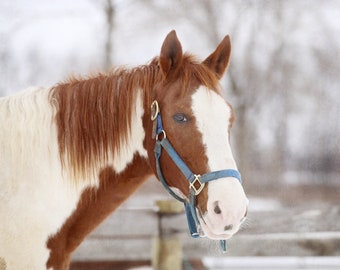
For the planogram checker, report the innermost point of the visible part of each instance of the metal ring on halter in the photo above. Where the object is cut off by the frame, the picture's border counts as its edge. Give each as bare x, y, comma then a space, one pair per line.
162, 132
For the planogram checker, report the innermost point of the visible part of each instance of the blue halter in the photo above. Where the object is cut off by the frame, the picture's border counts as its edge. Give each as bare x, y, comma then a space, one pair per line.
196, 181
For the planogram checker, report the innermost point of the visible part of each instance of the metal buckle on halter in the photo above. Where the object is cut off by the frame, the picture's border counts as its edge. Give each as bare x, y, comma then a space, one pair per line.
197, 180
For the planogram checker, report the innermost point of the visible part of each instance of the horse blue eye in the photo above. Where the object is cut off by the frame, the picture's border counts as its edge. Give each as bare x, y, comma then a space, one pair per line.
180, 118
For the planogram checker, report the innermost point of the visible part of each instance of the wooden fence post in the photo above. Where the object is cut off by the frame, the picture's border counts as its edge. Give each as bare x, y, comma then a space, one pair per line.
167, 247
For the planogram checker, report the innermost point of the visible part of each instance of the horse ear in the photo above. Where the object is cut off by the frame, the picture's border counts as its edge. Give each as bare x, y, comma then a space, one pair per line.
218, 61
170, 58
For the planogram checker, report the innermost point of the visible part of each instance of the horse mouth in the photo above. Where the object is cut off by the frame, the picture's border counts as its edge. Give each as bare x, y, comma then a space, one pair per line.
208, 231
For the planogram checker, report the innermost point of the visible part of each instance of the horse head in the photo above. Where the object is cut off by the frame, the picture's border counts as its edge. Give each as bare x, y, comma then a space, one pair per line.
196, 121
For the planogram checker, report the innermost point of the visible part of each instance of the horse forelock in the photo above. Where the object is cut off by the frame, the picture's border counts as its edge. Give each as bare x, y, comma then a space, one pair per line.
192, 69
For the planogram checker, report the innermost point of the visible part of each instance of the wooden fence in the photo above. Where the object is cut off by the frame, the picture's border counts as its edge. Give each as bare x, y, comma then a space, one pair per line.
132, 234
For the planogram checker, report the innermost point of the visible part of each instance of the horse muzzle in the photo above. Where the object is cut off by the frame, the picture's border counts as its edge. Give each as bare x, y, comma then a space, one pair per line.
227, 208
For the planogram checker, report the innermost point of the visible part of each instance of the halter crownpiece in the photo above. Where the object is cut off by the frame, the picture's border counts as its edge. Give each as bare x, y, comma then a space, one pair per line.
196, 181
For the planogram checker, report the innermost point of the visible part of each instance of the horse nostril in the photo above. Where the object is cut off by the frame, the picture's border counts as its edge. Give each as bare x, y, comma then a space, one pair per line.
228, 227
217, 209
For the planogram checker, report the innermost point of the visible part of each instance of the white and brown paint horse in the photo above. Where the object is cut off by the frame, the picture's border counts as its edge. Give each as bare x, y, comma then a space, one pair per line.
71, 154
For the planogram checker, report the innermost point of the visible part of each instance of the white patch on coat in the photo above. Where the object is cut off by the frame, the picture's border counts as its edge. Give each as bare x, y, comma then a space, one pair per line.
35, 199
213, 117
135, 139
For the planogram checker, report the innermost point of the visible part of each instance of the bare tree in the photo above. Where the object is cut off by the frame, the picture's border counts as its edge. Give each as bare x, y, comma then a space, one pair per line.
110, 20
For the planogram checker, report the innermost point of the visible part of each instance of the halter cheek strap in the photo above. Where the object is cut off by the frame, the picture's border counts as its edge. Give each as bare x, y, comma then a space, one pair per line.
196, 181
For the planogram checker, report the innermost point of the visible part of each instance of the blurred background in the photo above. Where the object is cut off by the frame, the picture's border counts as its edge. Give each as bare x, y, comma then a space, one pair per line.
283, 82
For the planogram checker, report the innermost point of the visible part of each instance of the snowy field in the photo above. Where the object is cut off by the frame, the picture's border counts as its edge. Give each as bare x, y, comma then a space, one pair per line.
266, 263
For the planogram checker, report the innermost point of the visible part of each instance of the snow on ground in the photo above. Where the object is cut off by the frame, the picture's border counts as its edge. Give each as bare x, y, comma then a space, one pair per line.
273, 263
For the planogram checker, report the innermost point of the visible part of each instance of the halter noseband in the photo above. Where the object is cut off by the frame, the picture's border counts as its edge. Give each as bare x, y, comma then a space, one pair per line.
196, 181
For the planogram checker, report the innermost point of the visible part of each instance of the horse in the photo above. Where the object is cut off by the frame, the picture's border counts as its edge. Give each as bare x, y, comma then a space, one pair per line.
72, 153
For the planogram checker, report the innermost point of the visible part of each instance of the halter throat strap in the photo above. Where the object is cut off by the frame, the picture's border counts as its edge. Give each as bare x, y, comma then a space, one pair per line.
196, 181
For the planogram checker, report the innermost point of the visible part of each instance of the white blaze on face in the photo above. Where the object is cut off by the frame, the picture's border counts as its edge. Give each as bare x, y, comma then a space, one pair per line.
227, 202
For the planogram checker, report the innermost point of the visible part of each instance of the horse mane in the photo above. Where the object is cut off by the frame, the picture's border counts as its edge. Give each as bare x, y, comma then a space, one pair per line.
93, 115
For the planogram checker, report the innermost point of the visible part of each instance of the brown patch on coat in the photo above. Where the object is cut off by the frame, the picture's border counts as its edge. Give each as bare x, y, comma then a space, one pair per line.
94, 206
